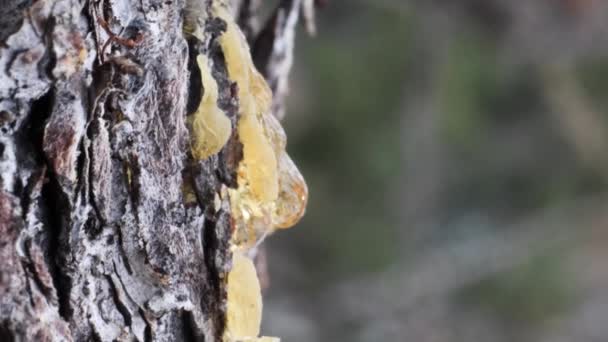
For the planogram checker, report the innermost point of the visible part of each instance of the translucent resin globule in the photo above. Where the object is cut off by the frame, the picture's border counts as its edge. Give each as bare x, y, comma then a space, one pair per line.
271, 191
210, 128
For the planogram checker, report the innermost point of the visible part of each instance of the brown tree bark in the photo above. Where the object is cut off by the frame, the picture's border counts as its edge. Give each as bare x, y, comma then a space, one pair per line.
98, 240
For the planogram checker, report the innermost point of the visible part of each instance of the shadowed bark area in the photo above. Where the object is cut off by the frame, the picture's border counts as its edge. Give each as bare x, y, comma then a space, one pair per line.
98, 239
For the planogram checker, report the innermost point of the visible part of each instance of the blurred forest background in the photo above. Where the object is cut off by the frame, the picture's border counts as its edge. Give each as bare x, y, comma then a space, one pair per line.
457, 159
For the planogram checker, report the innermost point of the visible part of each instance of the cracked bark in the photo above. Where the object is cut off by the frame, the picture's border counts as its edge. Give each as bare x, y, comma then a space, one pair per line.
96, 239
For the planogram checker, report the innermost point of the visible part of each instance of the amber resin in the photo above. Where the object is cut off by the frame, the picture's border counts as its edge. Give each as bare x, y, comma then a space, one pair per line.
271, 191
244, 309
244, 314
210, 128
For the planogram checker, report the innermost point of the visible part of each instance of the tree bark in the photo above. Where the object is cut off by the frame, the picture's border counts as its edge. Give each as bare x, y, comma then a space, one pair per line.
97, 237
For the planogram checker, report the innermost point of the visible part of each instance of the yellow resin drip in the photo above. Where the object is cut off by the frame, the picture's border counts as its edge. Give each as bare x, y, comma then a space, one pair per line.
271, 191
244, 307
293, 194
259, 171
210, 128
244, 303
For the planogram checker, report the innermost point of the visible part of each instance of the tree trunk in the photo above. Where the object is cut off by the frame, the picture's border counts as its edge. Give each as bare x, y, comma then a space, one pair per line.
110, 227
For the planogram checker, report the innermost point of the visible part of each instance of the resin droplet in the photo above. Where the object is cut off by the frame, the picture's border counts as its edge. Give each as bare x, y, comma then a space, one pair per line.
271, 191
258, 169
293, 194
210, 128
244, 307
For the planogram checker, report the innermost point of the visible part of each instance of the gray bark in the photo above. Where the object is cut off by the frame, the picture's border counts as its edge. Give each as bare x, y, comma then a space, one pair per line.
96, 239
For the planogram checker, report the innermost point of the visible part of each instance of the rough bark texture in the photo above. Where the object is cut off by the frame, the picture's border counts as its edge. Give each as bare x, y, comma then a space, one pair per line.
97, 240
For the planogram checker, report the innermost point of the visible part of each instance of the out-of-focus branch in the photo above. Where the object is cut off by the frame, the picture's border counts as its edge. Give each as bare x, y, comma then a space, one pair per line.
580, 124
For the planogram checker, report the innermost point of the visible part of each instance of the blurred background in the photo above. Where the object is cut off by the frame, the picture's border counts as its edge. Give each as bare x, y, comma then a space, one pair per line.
457, 158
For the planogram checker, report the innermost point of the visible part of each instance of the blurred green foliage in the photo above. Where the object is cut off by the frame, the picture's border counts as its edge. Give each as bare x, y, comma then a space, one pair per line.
503, 157
528, 295
593, 74
356, 85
